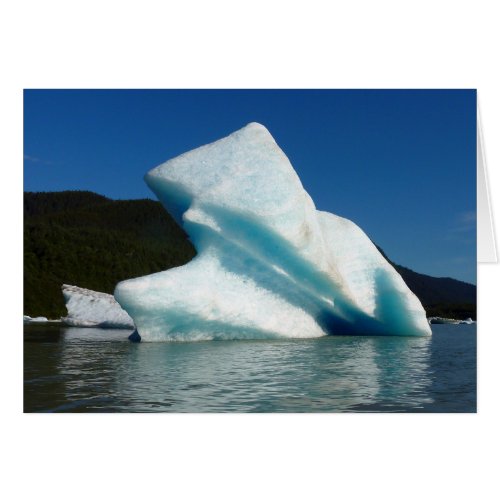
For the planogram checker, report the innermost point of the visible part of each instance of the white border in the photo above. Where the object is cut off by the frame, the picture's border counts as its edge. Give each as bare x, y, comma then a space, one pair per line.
358, 44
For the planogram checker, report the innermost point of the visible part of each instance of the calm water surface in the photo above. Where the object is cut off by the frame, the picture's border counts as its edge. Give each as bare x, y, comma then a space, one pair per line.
94, 370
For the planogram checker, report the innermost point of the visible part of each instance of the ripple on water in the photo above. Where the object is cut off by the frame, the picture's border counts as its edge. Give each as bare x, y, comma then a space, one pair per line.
94, 370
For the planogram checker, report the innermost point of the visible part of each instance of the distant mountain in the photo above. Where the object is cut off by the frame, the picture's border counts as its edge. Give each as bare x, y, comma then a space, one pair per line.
444, 297
85, 239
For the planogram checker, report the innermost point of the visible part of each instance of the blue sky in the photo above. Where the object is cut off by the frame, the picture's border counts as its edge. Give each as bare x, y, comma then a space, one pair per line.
401, 164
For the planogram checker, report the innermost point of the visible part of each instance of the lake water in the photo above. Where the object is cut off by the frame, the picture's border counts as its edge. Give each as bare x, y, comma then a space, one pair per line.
95, 370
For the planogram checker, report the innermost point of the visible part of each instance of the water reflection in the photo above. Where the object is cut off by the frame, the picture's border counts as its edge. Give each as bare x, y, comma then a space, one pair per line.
99, 370
454, 363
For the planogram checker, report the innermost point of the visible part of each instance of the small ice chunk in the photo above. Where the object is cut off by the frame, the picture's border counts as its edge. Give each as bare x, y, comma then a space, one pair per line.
87, 308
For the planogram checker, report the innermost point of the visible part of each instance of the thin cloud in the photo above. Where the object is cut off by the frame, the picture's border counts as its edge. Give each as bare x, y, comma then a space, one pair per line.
34, 159
462, 229
468, 216
466, 221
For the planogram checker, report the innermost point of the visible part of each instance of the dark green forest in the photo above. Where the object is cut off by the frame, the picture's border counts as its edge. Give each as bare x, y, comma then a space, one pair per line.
85, 239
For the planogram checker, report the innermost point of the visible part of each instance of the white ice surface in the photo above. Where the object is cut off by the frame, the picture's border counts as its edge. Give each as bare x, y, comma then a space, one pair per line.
38, 319
269, 265
93, 309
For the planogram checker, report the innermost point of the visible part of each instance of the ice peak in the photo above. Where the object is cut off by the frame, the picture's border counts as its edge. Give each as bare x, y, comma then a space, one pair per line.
268, 264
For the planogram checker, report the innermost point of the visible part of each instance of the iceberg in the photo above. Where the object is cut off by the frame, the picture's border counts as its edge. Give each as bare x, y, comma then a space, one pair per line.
269, 265
87, 308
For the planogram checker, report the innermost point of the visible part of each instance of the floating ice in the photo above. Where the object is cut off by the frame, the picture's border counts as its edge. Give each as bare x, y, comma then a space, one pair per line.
269, 265
468, 321
437, 320
93, 309
38, 319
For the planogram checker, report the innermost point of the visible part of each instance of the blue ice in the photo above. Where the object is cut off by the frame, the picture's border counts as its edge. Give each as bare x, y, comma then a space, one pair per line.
268, 264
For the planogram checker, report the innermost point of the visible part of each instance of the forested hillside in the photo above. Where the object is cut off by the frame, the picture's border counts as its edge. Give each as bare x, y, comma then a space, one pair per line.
85, 239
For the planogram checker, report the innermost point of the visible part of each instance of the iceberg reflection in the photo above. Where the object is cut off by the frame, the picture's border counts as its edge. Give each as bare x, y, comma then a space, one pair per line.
336, 374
